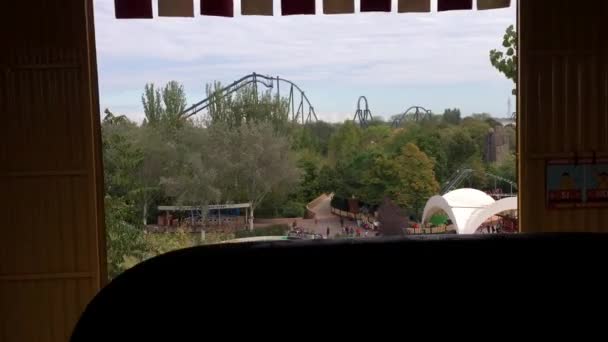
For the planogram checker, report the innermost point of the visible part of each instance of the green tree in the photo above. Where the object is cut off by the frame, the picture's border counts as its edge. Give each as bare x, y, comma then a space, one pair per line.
478, 130
345, 143
430, 139
174, 100
452, 116
431, 143
249, 162
124, 236
410, 176
507, 170
135, 159
417, 180
505, 61
159, 160
247, 105
313, 136
124, 241
162, 108
327, 179
193, 175
379, 178
375, 136
479, 178
349, 174
460, 149
485, 117
264, 163
309, 164
273, 205
120, 156
407, 177
378, 121
153, 108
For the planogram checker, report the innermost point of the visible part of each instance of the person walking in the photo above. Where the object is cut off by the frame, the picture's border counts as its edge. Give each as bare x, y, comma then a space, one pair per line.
328, 231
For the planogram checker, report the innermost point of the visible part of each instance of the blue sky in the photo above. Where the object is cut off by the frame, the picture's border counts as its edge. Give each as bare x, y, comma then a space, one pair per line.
435, 60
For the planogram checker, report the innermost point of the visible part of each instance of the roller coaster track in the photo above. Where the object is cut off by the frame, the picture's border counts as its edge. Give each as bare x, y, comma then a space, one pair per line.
414, 113
364, 116
296, 106
461, 175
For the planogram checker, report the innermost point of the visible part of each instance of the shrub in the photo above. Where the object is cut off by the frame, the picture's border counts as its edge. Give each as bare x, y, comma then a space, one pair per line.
293, 209
339, 203
274, 230
439, 219
160, 243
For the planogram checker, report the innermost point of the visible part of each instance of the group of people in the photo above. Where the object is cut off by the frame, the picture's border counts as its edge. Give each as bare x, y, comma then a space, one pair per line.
362, 229
491, 229
355, 232
301, 233
429, 228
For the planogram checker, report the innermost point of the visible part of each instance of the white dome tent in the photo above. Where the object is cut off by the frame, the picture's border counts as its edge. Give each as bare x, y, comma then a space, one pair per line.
480, 216
467, 208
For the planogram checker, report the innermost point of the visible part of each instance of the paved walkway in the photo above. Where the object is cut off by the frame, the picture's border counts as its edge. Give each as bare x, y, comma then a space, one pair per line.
324, 219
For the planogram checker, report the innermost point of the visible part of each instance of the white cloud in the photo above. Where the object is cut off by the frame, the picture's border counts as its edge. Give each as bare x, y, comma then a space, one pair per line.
373, 49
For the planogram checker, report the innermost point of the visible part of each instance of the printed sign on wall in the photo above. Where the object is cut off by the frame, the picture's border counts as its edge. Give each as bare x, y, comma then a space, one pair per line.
597, 183
576, 184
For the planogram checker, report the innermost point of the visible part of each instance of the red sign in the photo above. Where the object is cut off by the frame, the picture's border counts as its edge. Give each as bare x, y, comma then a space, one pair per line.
597, 195
577, 183
565, 195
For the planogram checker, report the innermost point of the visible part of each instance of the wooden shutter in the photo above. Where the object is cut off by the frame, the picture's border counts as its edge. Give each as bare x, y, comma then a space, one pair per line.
562, 104
51, 211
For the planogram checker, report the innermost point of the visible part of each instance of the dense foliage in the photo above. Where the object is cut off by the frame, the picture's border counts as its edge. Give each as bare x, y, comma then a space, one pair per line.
247, 150
505, 61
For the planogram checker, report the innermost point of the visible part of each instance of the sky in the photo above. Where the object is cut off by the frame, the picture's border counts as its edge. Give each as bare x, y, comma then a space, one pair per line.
434, 60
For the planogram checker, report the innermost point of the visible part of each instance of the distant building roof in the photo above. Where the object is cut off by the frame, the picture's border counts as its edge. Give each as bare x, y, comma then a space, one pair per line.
209, 207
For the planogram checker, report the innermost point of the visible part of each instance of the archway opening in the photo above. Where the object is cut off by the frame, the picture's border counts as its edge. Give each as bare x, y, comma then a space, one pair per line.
501, 223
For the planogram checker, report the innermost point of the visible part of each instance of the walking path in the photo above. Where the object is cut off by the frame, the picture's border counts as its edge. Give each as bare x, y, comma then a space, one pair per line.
323, 219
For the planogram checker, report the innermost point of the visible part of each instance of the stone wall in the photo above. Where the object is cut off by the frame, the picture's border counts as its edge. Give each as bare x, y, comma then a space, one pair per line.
497, 145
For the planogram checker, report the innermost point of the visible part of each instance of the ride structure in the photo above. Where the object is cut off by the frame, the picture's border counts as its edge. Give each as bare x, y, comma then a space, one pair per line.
414, 113
461, 176
363, 116
299, 107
